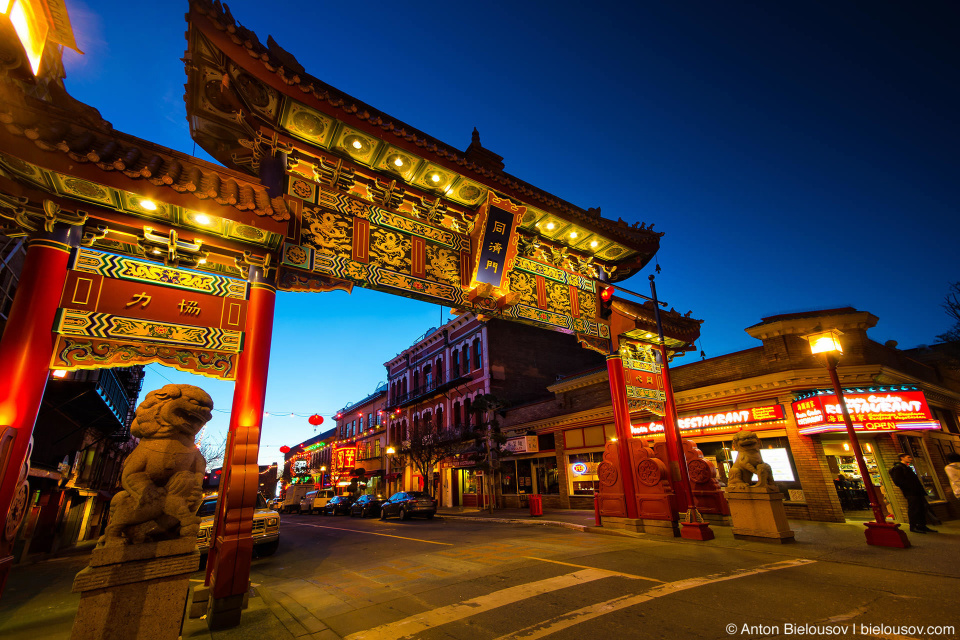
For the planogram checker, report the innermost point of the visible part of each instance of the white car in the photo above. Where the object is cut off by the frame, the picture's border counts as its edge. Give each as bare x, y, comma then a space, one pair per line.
315, 501
266, 526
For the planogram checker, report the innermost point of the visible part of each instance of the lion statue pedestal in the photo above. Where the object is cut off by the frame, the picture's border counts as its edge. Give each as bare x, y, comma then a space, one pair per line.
756, 509
137, 582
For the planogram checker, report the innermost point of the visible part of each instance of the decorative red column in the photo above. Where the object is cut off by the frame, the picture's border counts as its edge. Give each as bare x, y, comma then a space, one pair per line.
25, 352
228, 567
621, 420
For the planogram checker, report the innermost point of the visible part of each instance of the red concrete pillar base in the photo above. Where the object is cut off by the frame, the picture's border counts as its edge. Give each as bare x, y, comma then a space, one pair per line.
882, 534
694, 527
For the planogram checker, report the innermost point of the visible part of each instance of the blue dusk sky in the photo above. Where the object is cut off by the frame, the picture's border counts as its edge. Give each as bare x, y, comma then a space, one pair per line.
796, 155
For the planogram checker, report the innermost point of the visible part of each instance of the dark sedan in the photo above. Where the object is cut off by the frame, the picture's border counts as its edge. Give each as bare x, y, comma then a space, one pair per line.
366, 506
404, 504
338, 505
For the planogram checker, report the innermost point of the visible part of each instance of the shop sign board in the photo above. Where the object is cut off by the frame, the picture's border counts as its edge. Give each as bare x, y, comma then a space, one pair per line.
578, 469
523, 444
870, 412
720, 422
344, 458
779, 463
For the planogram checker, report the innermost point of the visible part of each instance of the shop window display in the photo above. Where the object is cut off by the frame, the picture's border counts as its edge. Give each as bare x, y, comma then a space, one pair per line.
548, 476
582, 469
921, 464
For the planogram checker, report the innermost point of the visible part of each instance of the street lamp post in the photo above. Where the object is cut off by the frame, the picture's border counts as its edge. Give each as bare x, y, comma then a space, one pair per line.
879, 533
692, 524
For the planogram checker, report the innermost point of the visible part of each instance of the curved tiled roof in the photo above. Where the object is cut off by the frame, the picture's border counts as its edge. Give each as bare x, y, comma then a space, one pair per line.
75, 130
282, 64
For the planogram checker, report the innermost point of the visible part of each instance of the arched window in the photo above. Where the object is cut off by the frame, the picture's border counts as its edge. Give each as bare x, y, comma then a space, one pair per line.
466, 359
427, 422
416, 382
438, 370
455, 364
477, 358
457, 421
440, 425
427, 376
467, 419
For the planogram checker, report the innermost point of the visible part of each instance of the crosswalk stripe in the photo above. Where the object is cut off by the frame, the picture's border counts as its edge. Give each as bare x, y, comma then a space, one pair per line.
409, 627
581, 566
559, 623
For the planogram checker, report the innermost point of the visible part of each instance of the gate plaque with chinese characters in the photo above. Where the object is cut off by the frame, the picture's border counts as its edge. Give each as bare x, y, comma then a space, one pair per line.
120, 311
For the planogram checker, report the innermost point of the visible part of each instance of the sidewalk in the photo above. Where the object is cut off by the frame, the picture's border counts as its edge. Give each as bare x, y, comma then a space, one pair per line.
38, 603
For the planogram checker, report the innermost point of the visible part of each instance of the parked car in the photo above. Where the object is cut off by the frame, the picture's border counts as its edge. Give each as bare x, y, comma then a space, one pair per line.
292, 496
275, 504
408, 503
338, 505
315, 501
366, 506
266, 527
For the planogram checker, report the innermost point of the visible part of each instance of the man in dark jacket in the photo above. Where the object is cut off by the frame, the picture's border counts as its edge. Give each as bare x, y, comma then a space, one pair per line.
906, 479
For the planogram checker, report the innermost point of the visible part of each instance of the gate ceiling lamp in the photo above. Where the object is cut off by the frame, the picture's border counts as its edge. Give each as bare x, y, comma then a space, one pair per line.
391, 451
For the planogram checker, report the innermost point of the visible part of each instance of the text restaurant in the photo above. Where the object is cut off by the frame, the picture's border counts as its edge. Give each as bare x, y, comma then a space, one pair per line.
886, 419
713, 433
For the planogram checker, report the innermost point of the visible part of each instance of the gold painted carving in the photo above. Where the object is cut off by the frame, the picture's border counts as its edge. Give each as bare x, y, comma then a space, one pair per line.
588, 304
525, 285
327, 231
443, 265
389, 249
558, 298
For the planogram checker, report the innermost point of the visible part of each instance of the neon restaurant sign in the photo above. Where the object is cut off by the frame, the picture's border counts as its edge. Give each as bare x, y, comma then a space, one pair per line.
764, 417
875, 412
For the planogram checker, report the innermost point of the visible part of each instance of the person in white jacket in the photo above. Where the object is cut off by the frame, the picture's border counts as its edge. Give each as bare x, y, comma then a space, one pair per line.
953, 472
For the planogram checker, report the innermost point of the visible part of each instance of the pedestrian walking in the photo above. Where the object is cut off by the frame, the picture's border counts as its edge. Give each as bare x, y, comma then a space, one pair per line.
953, 472
906, 479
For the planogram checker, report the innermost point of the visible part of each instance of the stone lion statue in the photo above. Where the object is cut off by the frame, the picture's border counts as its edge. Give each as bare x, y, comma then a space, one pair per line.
162, 478
749, 462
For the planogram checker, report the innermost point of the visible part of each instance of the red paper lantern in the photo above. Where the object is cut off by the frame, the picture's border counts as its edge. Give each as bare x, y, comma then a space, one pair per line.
316, 420
284, 449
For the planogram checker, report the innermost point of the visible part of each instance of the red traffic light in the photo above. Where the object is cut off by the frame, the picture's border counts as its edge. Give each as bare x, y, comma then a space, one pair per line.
606, 303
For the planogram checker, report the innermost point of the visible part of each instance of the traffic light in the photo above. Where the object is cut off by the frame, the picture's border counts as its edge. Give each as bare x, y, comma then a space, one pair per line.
606, 302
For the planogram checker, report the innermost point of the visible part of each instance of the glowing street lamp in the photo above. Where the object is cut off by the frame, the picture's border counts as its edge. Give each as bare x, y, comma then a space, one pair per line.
880, 532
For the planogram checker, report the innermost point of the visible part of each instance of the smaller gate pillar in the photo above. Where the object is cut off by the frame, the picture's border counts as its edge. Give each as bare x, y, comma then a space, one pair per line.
621, 420
228, 567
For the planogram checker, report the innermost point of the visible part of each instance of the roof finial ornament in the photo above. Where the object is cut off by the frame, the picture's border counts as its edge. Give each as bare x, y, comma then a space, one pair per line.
475, 137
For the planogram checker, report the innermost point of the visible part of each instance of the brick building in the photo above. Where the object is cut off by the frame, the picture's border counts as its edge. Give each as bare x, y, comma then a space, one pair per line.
358, 463
309, 461
769, 389
439, 376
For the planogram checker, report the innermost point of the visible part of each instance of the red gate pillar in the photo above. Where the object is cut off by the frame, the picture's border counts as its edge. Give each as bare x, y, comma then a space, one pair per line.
228, 568
25, 352
621, 420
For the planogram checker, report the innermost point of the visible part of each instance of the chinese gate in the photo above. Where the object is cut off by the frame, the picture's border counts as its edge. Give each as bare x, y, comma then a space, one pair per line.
140, 254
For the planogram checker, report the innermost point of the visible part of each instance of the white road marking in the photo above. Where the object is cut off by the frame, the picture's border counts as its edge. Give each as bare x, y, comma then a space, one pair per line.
549, 627
409, 627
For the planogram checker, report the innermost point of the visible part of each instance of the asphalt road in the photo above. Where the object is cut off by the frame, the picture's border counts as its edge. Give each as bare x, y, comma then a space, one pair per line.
387, 580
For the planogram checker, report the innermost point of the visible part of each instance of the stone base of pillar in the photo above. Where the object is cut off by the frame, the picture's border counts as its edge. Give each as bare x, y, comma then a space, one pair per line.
884, 534
200, 601
224, 613
135, 592
758, 514
668, 528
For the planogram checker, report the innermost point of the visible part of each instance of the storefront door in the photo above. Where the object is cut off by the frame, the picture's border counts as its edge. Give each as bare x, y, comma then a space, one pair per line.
847, 481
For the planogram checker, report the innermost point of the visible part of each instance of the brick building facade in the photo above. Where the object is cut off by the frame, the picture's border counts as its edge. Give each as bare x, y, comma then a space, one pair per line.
437, 379
761, 389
